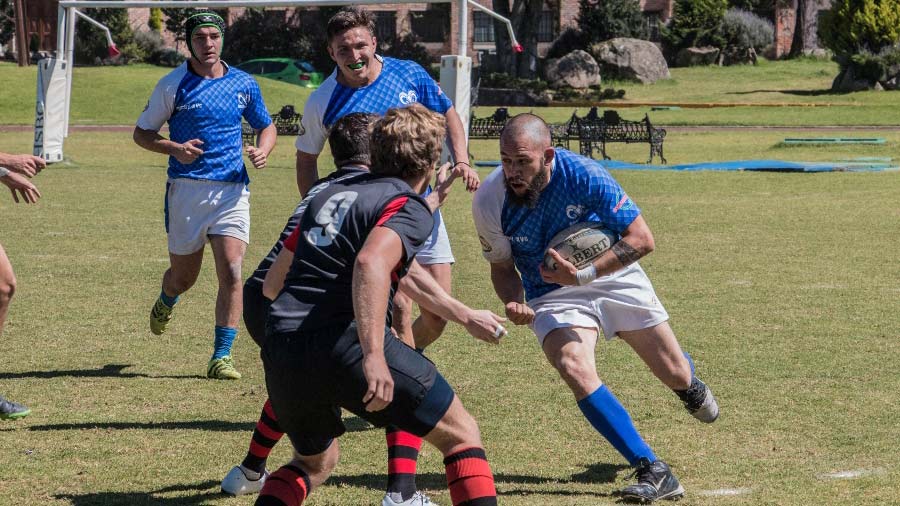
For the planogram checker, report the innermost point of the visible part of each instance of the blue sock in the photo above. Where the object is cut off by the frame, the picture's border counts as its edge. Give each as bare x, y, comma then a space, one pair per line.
690, 361
169, 301
224, 338
609, 417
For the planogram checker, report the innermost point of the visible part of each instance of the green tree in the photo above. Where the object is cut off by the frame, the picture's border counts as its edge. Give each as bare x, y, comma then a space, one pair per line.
7, 21
92, 43
602, 20
156, 20
855, 26
695, 23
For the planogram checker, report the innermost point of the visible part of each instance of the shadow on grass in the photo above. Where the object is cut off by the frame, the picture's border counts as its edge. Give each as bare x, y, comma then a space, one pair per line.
800, 93
595, 473
107, 371
353, 424
205, 491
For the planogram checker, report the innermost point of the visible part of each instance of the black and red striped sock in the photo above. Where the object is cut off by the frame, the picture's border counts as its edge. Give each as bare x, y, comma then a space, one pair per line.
287, 486
266, 434
403, 455
470, 479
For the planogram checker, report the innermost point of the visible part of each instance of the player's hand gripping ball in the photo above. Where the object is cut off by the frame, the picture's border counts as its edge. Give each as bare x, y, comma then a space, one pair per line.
580, 244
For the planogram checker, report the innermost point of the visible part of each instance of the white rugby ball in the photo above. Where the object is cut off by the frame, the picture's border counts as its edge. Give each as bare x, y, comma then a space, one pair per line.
580, 244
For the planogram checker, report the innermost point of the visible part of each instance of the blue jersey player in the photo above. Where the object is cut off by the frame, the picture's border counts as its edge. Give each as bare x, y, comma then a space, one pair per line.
538, 192
207, 199
366, 82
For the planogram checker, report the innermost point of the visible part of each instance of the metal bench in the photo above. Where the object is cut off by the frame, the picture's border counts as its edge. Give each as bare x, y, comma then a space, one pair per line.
491, 127
594, 132
287, 122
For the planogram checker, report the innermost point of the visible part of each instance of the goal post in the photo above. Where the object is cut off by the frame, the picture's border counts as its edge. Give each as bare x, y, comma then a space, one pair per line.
455, 77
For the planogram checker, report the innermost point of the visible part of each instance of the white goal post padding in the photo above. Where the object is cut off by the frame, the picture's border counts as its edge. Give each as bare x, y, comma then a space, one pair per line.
455, 70
50, 110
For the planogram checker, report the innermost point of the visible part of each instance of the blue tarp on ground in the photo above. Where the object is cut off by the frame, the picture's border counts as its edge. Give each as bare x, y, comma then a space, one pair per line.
751, 165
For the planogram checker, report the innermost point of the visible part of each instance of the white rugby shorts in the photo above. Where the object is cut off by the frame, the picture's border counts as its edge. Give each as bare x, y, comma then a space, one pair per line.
437, 248
622, 301
196, 209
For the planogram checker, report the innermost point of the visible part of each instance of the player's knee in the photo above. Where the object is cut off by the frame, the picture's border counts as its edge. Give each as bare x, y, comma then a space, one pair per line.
574, 368
230, 275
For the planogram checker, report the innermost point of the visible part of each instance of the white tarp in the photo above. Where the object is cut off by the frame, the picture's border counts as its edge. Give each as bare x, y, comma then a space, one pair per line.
50, 110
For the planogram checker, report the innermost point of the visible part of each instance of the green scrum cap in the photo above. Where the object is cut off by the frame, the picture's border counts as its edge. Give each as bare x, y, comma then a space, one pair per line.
199, 20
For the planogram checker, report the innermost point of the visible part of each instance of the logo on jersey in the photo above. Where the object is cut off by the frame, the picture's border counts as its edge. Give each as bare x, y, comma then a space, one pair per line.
518, 239
243, 100
574, 212
624, 203
189, 107
485, 246
408, 97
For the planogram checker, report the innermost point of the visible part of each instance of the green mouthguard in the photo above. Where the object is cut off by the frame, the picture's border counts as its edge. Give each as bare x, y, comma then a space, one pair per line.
357, 66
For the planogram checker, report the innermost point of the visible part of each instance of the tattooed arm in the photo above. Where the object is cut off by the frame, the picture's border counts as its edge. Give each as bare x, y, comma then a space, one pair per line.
636, 243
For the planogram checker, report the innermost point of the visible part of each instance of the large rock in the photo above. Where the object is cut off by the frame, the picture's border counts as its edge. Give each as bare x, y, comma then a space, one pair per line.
697, 56
632, 59
848, 80
738, 56
576, 70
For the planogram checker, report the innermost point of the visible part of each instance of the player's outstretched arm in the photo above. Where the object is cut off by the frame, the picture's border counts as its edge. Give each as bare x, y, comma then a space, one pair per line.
19, 186
382, 251
26, 165
508, 286
456, 134
420, 286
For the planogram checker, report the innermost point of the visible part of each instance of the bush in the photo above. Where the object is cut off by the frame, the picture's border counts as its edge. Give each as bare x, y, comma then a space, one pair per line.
569, 40
260, 34
877, 67
695, 23
855, 26
156, 20
743, 29
601, 20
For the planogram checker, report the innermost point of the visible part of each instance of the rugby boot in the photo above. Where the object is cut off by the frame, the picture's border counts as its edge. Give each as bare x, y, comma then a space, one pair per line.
222, 368
418, 499
237, 482
699, 402
160, 315
12, 410
654, 481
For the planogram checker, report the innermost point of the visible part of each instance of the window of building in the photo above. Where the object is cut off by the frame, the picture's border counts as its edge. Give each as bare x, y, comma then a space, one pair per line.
431, 25
484, 27
547, 31
385, 25
651, 25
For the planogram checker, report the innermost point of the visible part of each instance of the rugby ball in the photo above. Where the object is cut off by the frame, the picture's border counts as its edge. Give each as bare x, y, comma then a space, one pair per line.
580, 244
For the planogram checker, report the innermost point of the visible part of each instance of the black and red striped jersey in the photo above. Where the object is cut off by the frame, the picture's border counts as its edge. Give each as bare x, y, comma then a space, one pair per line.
333, 229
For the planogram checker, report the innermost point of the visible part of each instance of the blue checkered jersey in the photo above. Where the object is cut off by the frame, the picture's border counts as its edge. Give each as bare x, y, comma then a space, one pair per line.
400, 83
580, 190
209, 110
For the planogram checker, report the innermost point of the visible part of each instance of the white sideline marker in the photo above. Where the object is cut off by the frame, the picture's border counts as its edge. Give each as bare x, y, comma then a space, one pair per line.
725, 492
851, 474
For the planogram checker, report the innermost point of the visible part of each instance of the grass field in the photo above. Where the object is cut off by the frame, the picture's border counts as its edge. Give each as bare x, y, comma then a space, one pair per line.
790, 93
781, 286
